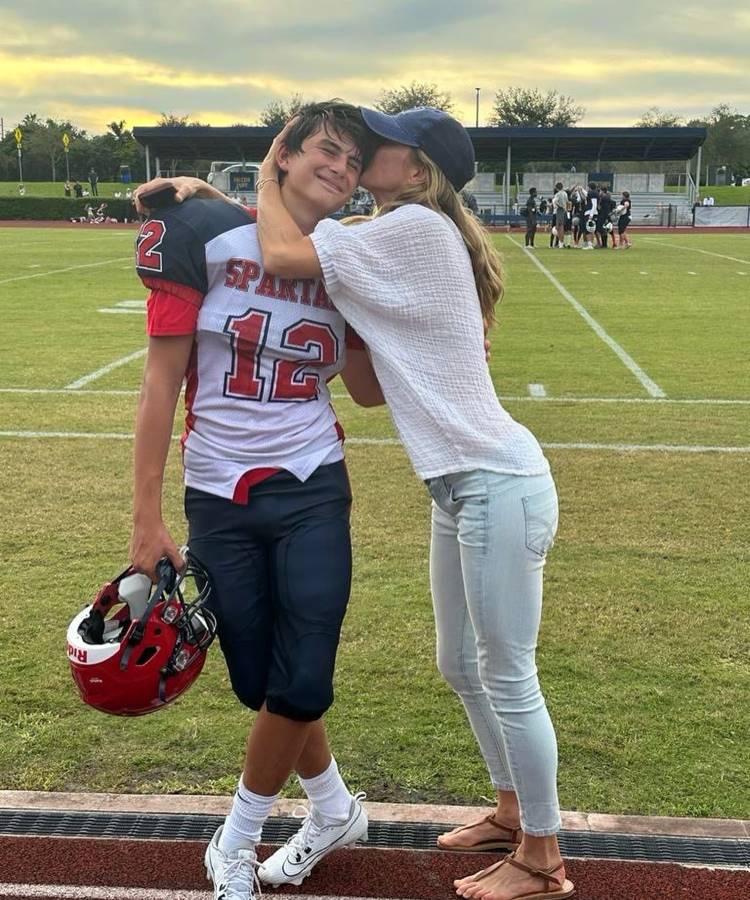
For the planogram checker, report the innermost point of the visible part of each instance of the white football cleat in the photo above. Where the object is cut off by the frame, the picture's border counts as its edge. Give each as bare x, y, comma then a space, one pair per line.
233, 874
293, 862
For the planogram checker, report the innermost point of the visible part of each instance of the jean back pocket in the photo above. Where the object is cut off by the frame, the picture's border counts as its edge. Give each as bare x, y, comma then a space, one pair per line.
541, 514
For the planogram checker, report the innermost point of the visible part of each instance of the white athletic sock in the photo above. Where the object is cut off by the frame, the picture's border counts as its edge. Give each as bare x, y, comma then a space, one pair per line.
328, 794
243, 825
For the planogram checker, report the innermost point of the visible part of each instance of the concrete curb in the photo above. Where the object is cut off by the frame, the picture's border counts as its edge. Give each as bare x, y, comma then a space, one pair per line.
179, 804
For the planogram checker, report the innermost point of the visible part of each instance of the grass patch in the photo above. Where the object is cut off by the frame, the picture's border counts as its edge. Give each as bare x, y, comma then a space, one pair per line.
643, 649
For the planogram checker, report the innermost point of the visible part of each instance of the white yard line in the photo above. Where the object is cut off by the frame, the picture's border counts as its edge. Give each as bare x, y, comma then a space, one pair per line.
696, 250
92, 376
504, 398
123, 312
376, 442
651, 386
105, 262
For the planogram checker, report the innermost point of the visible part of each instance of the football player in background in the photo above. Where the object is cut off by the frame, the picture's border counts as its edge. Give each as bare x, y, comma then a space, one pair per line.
267, 495
623, 212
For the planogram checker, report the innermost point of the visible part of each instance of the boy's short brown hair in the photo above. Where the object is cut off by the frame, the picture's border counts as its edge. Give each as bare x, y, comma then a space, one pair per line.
332, 116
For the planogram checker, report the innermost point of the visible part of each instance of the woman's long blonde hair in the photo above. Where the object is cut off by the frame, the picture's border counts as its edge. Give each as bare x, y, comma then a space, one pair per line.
437, 193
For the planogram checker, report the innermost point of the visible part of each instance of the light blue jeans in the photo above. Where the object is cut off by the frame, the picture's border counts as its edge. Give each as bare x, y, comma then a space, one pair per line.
490, 537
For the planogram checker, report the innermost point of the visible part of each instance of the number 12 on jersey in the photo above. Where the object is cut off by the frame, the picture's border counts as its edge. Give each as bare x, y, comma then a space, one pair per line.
291, 380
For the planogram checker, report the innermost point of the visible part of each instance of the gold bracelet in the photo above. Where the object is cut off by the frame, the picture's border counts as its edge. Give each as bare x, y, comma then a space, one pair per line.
263, 181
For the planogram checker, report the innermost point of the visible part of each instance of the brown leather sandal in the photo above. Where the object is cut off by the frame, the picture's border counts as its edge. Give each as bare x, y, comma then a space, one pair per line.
509, 841
563, 888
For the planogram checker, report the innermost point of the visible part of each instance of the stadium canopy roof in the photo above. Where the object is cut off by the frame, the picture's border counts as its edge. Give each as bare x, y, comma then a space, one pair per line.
490, 144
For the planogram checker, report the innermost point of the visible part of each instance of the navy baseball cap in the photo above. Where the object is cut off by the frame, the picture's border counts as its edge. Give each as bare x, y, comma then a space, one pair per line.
433, 131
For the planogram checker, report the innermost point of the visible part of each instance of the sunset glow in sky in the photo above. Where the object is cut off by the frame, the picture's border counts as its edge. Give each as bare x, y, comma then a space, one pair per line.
222, 61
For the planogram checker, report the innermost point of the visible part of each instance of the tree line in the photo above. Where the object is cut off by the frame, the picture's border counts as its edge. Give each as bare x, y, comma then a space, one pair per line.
44, 157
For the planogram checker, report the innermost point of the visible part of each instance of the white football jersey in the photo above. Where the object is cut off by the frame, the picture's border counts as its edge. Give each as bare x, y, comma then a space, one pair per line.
265, 348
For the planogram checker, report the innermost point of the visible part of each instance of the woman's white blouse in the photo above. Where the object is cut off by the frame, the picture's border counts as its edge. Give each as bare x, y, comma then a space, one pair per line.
404, 281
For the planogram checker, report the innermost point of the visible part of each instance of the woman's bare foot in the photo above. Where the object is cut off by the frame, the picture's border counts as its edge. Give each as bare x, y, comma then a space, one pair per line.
460, 883
511, 879
487, 833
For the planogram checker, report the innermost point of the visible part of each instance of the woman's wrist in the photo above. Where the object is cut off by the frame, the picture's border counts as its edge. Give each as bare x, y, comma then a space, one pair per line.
264, 180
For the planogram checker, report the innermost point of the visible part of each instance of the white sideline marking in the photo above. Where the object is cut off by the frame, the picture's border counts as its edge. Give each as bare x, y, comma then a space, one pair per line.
367, 442
692, 273
643, 273
35, 266
651, 386
659, 401
124, 312
104, 262
695, 250
742, 273
132, 304
92, 376
91, 892
537, 390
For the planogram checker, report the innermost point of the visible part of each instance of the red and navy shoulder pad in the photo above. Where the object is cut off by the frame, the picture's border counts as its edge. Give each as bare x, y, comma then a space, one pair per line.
171, 244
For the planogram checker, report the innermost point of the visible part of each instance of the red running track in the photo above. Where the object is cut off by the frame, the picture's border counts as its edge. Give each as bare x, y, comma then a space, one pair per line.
170, 870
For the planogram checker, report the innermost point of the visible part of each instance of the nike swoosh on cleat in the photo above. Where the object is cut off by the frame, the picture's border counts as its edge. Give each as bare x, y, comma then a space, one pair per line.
299, 867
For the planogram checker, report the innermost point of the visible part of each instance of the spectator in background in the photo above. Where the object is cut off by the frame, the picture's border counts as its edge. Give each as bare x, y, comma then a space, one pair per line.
93, 182
77, 188
21, 190
530, 212
67, 189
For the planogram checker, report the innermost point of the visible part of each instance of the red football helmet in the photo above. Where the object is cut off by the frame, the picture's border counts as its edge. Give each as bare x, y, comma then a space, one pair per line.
133, 650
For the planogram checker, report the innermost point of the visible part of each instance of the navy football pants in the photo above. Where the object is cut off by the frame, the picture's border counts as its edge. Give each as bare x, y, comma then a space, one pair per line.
281, 573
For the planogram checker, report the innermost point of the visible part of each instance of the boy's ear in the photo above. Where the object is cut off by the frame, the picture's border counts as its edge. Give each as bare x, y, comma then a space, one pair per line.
282, 157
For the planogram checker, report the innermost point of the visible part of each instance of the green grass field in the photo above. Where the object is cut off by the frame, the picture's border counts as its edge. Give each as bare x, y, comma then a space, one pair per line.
55, 188
645, 638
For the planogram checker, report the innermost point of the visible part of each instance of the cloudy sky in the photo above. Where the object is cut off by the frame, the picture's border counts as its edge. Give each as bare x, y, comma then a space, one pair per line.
222, 61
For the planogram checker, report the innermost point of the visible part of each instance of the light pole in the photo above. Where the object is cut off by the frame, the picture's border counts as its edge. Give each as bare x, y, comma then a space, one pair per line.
477, 117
